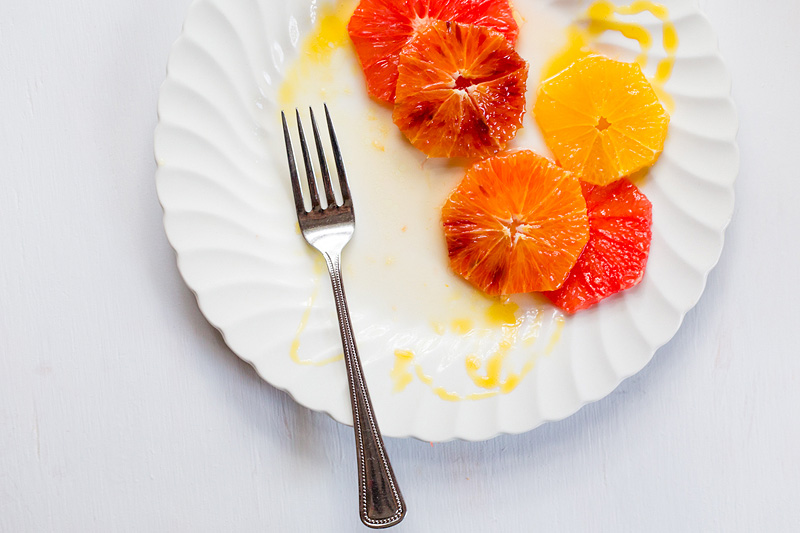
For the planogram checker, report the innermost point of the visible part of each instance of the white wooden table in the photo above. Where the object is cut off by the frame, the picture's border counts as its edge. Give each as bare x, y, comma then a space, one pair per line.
122, 410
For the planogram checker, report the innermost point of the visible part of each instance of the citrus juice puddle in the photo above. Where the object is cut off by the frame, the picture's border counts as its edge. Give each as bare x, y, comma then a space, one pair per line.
602, 17
311, 68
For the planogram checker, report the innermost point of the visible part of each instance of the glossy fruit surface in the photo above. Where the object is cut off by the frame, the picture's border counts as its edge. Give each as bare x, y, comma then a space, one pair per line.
380, 29
614, 259
460, 91
602, 119
516, 223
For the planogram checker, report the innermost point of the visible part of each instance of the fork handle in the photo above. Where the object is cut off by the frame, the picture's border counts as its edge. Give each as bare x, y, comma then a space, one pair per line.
381, 504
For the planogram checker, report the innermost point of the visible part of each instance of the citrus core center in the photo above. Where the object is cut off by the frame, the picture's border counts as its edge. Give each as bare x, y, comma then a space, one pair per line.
603, 124
462, 82
420, 23
514, 229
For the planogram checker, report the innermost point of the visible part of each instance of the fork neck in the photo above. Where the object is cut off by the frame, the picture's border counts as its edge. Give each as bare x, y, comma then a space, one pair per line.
329, 240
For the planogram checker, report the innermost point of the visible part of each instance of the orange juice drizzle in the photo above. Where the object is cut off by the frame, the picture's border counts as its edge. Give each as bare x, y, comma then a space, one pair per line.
295, 347
601, 17
492, 378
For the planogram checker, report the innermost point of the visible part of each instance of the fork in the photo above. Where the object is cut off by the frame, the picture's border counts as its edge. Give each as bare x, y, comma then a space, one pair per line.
329, 229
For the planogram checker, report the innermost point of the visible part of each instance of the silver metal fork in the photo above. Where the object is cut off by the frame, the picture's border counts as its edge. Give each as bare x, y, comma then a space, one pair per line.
328, 230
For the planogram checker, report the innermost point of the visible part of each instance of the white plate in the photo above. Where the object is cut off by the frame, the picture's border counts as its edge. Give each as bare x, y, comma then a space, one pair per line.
223, 183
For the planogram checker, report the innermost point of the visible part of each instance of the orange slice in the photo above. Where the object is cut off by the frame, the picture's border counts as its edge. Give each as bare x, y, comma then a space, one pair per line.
460, 91
602, 119
380, 29
620, 220
516, 223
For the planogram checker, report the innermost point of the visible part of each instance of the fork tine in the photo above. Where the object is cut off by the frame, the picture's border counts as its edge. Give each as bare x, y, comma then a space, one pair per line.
312, 181
296, 191
323, 164
337, 156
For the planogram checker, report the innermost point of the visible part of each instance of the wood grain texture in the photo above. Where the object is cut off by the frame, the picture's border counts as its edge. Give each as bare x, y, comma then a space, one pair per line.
122, 410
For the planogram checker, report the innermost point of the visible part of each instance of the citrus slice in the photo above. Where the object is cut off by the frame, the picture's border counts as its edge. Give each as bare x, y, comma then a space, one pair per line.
602, 119
460, 91
615, 257
380, 29
516, 223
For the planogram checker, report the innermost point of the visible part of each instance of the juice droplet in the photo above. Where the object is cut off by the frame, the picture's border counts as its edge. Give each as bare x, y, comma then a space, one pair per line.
601, 10
462, 326
664, 70
444, 394
670, 38
494, 364
427, 380
502, 313
400, 374
510, 383
640, 6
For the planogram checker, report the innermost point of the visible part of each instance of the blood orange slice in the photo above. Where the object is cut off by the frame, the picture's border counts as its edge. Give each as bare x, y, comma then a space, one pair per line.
602, 119
380, 29
460, 91
615, 257
516, 223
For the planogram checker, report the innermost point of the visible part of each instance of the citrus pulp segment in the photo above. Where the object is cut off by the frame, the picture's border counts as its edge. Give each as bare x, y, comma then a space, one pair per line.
460, 91
380, 29
614, 259
516, 223
601, 119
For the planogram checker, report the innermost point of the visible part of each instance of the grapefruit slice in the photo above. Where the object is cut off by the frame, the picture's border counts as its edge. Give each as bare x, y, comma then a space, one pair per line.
380, 29
614, 259
602, 119
516, 223
460, 91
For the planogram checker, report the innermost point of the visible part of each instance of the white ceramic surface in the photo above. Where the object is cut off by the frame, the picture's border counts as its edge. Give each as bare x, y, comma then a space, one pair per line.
228, 213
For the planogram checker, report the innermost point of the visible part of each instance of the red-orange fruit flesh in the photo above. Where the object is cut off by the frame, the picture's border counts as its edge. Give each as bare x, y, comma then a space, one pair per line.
620, 218
516, 223
460, 91
380, 29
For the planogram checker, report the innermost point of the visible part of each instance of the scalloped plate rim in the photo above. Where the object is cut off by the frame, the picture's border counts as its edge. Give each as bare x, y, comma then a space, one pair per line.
472, 436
